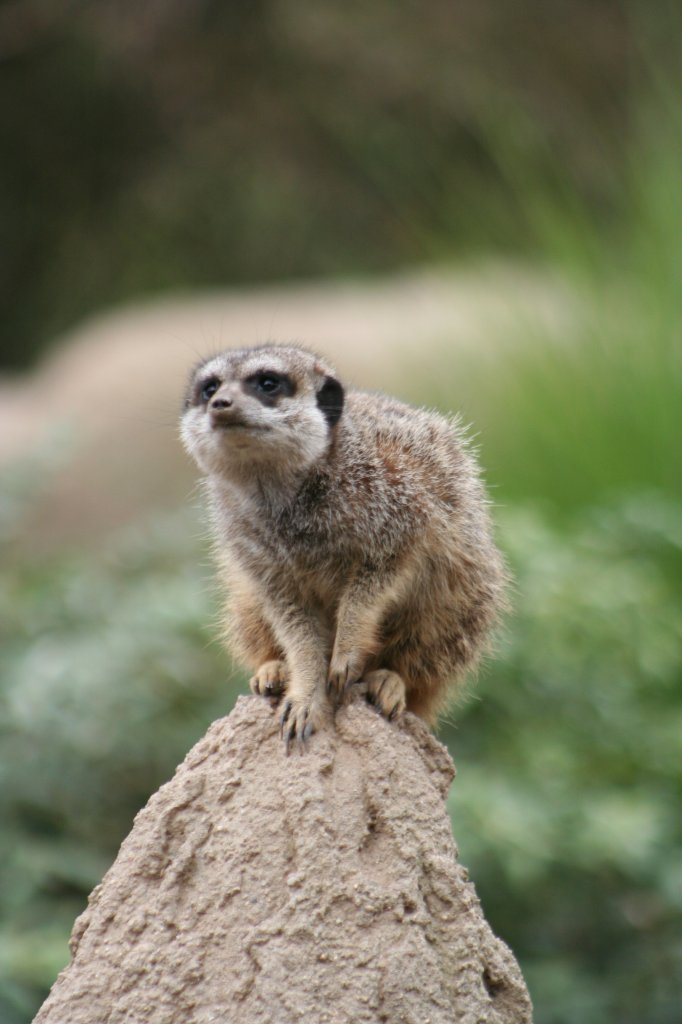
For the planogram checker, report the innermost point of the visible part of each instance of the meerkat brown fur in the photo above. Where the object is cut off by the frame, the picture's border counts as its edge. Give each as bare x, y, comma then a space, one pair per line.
352, 535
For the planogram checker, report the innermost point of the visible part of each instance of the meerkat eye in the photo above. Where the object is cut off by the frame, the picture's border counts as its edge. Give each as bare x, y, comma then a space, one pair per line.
209, 388
269, 383
269, 386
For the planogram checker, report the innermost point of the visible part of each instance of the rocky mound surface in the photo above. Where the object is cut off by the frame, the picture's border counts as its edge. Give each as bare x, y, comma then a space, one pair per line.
323, 888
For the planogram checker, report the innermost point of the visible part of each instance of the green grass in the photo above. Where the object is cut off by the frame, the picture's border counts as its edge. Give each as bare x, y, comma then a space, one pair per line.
595, 417
592, 410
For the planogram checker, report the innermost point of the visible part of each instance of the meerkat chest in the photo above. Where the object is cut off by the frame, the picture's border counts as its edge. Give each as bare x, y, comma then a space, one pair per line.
322, 530
289, 563
271, 537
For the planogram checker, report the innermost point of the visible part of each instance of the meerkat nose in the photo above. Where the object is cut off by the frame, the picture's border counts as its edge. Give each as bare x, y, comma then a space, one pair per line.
221, 411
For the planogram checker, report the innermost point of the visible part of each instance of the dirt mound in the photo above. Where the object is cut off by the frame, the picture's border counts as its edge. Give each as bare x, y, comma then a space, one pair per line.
260, 888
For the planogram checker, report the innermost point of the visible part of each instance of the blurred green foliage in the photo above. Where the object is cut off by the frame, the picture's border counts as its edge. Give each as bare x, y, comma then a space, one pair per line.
571, 764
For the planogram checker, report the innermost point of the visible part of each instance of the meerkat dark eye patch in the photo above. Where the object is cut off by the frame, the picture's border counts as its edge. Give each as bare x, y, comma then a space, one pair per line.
201, 390
330, 400
207, 388
269, 386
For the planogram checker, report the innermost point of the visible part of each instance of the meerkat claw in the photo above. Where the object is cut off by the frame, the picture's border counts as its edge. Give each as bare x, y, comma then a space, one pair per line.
270, 679
291, 728
386, 691
298, 723
286, 711
343, 673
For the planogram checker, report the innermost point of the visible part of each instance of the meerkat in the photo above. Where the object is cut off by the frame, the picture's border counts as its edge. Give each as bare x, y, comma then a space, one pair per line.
352, 534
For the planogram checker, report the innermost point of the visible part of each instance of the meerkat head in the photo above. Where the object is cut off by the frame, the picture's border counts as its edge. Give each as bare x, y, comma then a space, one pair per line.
273, 407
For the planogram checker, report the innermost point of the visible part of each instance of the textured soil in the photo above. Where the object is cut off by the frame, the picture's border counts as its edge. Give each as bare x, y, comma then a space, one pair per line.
324, 888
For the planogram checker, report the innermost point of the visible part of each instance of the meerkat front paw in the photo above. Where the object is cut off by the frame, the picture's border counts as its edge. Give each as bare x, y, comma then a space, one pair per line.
270, 679
386, 690
343, 672
300, 719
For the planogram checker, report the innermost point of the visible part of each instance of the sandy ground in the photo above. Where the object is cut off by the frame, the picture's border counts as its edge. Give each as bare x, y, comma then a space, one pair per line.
99, 416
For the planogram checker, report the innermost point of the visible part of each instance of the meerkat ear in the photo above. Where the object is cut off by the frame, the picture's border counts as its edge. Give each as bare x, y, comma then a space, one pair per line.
330, 400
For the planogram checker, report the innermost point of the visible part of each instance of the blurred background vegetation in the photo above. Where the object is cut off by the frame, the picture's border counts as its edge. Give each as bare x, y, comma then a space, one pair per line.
189, 144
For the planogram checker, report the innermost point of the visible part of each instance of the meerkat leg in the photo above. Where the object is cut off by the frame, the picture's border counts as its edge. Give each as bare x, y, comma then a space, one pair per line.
356, 641
305, 708
249, 636
386, 690
270, 679
359, 617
